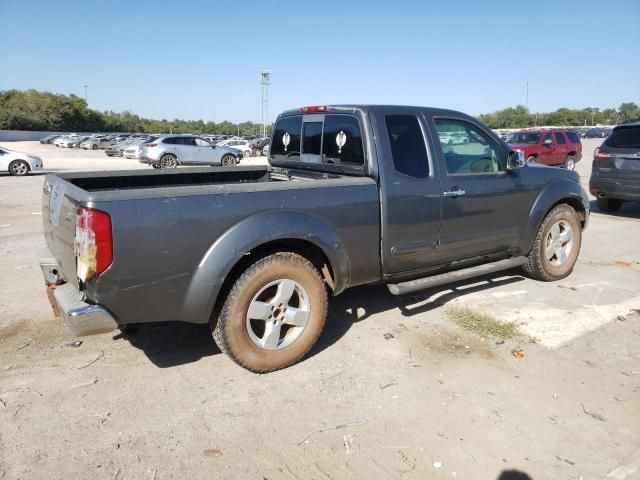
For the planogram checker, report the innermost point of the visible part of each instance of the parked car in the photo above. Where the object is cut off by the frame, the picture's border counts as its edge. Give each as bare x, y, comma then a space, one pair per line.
134, 149
75, 142
18, 163
257, 145
117, 149
615, 174
174, 150
48, 139
95, 143
558, 147
237, 144
352, 196
594, 133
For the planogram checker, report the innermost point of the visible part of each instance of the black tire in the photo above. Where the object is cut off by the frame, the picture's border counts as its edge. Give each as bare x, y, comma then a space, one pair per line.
94, 147
570, 163
237, 335
168, 160
532, 159
540, 266
608, 205
18, 168
229, 160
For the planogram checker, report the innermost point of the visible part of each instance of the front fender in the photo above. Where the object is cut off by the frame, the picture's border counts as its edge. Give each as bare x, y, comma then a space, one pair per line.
248, 234
552, 193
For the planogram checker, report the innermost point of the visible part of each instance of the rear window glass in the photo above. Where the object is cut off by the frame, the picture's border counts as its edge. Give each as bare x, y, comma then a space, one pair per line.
407, 145
624, 138
286, 139
342, 140
335, 138
312, 138
573, 137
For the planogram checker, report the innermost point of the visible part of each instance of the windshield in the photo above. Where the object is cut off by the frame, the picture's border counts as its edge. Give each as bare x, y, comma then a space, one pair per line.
524, 137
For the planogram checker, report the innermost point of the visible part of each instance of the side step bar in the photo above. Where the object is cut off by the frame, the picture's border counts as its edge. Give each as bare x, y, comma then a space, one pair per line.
441, 279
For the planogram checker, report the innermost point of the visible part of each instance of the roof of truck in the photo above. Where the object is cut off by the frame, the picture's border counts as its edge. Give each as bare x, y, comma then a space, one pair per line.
352, 108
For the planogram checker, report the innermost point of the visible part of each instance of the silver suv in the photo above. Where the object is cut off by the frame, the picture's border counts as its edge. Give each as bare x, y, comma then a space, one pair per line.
173, 150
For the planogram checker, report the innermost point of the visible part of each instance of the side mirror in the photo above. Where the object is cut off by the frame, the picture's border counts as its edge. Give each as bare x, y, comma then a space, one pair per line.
515, 160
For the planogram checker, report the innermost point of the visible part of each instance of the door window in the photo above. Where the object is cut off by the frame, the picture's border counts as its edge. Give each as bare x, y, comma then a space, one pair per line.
560, 138
202, 143
467, 149
546, 138
407, 145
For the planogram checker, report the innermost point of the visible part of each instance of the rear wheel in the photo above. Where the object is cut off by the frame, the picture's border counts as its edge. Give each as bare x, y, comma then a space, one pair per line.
570, 163
229, 160
18, 168
273, 314
556, 246
169, 161
94, 147
531, 159
608, 204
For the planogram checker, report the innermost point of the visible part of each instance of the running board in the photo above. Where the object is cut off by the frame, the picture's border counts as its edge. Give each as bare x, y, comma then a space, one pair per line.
441, 279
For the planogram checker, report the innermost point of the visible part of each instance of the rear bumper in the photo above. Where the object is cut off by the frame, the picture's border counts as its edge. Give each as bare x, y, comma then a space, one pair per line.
67, 301
619, 189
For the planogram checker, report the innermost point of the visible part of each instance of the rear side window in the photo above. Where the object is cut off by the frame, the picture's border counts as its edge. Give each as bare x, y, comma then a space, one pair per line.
408, 149
628, 137
560, 138
170, 140
286, 139
573, 137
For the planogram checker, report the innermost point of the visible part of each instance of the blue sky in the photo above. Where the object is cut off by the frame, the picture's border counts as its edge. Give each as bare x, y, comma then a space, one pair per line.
200, 59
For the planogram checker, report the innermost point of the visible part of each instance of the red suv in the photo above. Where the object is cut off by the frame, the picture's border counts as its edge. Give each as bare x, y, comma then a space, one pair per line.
550, 147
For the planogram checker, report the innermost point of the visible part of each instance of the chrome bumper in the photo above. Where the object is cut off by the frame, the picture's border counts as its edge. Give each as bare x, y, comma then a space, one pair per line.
68, 302
80, 317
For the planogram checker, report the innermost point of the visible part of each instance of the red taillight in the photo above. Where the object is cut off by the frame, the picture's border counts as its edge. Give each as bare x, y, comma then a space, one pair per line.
314, 109
93, 242
601, 154
149, 145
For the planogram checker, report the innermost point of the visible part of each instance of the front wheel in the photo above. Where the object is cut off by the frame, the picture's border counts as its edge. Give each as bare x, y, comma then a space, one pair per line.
556, 246
273, 314
18, 168
229, 160
531, 159
168, 161
608, 205
94, 147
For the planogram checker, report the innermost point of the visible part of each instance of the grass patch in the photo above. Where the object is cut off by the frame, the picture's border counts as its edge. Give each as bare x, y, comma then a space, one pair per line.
481, 323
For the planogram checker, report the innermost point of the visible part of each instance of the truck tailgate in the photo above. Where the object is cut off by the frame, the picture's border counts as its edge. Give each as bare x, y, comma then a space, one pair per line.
59, 222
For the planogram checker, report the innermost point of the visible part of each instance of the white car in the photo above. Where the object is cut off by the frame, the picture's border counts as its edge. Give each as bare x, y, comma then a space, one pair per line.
242, 145
18, 163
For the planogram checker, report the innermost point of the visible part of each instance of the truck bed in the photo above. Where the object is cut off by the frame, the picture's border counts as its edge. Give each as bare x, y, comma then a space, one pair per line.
164, 225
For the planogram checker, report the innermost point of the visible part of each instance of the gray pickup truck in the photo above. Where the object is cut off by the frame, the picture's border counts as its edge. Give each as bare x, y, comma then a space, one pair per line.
352, 195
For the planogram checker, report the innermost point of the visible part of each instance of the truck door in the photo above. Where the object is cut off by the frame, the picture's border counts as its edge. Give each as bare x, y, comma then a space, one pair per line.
482, 203
561, 148
547, 151
409, 191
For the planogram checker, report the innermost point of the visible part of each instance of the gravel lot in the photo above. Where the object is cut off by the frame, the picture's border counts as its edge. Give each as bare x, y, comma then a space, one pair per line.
394, 389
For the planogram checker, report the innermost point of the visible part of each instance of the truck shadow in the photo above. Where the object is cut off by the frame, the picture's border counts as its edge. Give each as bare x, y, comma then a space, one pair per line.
170, 344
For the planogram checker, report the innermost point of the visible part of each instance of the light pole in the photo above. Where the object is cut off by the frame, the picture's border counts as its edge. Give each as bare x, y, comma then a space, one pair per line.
265, 81
85, 94
526, 102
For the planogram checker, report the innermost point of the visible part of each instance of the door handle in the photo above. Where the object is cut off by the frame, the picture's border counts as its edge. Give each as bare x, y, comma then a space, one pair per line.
454, 193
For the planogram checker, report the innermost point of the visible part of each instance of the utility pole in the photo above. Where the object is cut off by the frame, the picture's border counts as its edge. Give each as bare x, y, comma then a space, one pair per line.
265, 81
85, 94
526, 102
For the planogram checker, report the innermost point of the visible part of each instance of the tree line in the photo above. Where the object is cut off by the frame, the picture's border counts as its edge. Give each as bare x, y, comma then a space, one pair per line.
45, 111
521, 117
